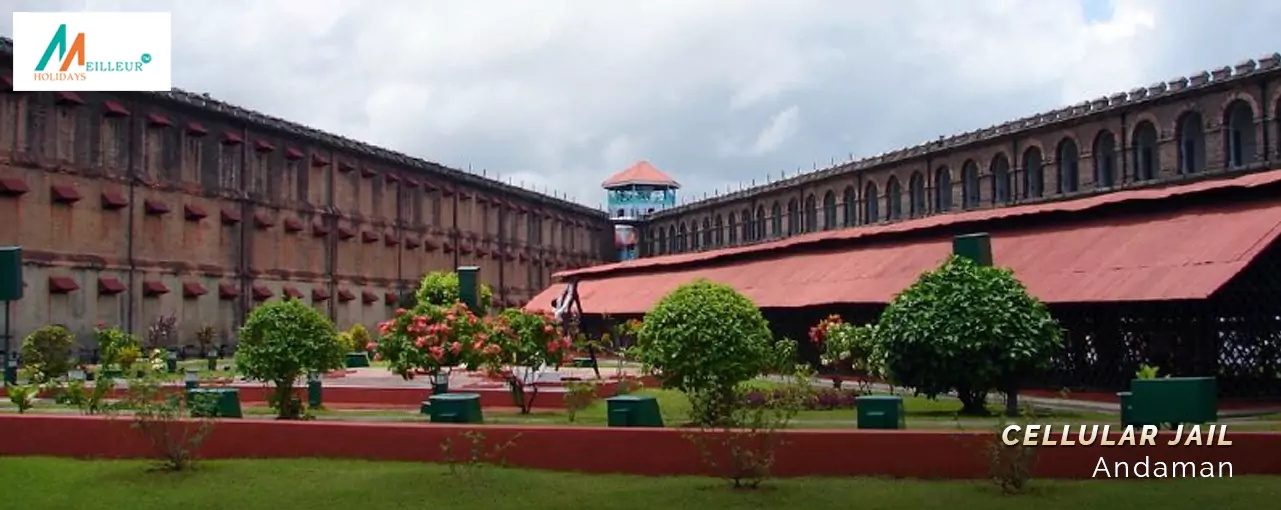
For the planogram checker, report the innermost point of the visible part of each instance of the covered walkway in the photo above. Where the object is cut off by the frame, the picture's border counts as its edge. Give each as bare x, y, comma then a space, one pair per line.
1176, 243
1185, 277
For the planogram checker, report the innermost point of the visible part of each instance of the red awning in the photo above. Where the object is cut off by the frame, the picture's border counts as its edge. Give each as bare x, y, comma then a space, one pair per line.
1155, 256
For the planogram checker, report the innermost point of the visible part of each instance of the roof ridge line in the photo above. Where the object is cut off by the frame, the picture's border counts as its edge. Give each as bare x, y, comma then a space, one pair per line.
1072, 206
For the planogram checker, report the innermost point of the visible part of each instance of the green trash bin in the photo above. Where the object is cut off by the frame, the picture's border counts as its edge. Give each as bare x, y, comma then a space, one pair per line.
633, 411
357, 360
1174, 400
1127, 408
455, 408
226, 402
880, 412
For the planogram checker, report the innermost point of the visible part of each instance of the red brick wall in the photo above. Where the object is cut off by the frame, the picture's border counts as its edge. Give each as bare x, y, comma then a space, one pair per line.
223, 197
656, 452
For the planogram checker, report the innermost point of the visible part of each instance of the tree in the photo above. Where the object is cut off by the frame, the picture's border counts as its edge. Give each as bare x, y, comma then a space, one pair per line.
441, 288
282, 341
530, 341
704, 339
434, 339
965, 328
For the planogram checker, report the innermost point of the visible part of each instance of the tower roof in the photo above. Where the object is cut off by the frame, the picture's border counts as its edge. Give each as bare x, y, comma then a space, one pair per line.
640, 173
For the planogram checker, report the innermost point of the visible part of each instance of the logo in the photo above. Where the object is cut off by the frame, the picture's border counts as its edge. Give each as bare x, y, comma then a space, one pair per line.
92, 51
59, 44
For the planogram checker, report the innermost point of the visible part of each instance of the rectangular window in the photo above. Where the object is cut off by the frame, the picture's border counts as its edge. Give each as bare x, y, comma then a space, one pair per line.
192, 157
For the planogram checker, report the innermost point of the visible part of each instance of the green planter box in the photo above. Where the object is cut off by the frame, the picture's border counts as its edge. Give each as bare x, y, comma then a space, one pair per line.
1174, 400
357, 360
226, 402
633, 411
454, 408
880, 412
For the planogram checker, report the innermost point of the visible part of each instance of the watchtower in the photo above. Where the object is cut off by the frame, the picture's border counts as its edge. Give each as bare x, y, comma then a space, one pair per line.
635, 193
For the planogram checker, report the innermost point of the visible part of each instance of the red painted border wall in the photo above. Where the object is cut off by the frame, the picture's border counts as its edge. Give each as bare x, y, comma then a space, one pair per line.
917, 454
409, 398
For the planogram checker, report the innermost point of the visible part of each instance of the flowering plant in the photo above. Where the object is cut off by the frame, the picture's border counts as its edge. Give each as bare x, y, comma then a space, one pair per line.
844, 346
530, 341
434, 339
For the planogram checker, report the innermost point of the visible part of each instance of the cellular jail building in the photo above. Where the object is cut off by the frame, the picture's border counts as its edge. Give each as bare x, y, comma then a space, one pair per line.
1147, 220
131, 206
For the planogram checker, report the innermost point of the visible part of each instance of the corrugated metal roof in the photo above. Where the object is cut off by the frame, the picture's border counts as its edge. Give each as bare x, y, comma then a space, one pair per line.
1184, 254
944, 220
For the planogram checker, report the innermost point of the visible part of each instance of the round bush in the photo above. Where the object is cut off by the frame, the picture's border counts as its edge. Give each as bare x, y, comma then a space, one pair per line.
284, 340
440, 288
706, 337
966, 328
47, 351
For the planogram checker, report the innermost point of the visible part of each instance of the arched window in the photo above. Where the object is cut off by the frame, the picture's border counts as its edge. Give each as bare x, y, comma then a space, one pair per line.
811, 214
776, 220
746, 219
1240, 142
662, 241
916, 195
894, 199
718, 231
732, 228
1069, 166
942, 189
682, 242
760, 224
695, 240
1001, 182
849, 206
793, 217
1033, 173
829, 210
1147, 155
871, 201
1104, 160
707, 234
970, 184
1191, 143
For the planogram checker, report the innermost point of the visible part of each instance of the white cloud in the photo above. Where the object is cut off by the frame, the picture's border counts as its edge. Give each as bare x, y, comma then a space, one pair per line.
566, 92
781, 127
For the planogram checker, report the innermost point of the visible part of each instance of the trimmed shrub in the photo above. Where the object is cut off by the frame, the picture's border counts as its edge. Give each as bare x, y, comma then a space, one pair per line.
47, 352
704, 339
965, 328
440, 288
282, 341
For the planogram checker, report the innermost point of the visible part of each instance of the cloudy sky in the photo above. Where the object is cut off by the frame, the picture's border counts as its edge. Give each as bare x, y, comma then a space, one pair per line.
562, 93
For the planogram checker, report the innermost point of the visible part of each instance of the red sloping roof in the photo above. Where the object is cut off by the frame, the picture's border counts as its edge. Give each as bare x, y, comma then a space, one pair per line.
640, 173
1186, 254
929, 222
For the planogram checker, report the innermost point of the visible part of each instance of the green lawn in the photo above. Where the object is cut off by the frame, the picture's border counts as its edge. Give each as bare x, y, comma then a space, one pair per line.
921, 413
57, 484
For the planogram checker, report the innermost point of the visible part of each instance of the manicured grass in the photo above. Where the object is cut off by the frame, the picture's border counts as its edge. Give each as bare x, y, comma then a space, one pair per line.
675, 407
58, 484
